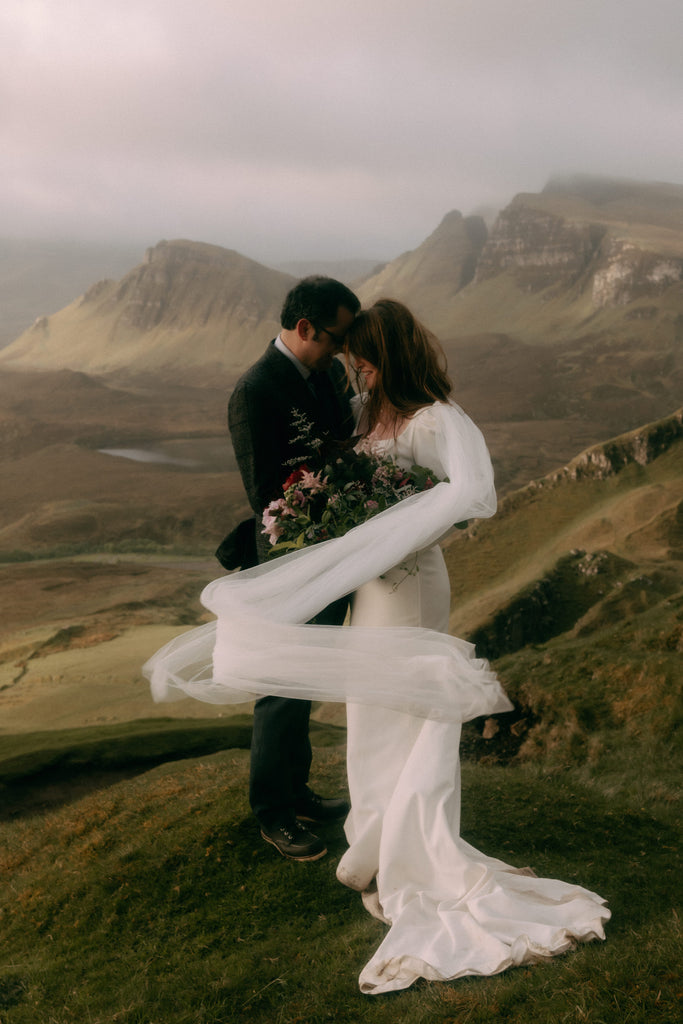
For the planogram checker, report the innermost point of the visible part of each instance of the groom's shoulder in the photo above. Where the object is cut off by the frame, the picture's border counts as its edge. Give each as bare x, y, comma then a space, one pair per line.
263, 370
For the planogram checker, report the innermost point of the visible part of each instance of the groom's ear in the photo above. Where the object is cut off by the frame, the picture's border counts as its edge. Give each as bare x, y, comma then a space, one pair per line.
305, 329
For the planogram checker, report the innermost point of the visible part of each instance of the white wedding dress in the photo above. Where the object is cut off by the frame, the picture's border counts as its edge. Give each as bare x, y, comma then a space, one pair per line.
452, 910
409, 686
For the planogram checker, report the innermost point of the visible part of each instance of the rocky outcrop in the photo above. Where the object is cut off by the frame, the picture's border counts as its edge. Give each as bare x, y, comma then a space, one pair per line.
622, 241
539, 248
639, 447
628, 273
552, 604
190, 311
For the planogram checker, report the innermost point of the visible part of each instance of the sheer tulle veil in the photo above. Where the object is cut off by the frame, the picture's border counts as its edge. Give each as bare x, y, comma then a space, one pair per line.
260, 643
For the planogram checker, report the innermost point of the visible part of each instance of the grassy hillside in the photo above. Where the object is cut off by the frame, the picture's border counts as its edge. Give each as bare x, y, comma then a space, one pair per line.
576, 589
152, 899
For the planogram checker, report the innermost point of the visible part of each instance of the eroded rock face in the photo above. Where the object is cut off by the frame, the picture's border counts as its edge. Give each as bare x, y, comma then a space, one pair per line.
640, 446
541, 248
622, 253
630, 273
183, 284
552, 604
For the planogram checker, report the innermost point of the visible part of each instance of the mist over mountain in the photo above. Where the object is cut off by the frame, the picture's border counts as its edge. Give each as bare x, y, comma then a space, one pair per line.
348, 271
39, 278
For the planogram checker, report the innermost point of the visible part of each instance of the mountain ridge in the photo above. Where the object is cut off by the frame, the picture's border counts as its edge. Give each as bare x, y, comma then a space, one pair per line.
190, 309
585, 255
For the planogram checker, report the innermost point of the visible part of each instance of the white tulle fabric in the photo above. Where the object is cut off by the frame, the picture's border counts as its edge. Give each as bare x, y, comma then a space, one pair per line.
260, 644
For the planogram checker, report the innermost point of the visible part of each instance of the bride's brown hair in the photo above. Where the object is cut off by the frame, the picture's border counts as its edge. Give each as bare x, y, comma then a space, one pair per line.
411, 365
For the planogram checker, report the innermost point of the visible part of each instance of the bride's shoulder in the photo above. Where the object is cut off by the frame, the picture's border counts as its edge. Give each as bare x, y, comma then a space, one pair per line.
427, 417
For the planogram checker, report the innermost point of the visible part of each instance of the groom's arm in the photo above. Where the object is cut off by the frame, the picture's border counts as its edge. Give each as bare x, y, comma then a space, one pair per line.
257, 441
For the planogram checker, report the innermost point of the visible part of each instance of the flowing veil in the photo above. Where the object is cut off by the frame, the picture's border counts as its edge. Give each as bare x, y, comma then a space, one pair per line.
260, 642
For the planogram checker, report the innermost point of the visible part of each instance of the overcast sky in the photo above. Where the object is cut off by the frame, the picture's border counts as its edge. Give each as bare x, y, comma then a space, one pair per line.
322, 128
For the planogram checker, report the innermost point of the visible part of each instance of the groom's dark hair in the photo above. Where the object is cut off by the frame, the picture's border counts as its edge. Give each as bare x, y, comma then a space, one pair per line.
317, 299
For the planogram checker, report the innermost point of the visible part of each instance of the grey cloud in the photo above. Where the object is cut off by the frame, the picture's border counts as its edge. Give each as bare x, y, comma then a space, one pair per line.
308, 130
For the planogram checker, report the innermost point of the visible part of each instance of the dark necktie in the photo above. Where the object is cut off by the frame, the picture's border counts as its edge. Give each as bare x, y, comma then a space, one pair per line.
321, 386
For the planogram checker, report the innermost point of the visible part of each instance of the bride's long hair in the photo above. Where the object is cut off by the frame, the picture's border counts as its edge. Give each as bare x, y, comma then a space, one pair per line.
411, 365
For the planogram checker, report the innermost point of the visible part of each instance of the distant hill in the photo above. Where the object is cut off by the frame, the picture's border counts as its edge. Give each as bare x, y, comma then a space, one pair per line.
435, 272
551, 263
189, 312
39, 278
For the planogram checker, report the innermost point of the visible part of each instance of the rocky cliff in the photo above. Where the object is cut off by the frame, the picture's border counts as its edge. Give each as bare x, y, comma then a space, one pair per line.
621, 242
539, 248
595, 543
589, 243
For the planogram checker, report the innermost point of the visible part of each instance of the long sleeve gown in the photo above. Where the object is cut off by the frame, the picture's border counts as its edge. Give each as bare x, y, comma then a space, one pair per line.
452, 910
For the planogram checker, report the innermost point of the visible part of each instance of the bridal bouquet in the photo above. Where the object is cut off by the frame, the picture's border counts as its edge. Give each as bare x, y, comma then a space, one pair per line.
334, 489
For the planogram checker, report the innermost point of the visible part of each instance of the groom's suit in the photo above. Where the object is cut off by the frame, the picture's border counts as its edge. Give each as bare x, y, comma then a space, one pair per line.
260, 419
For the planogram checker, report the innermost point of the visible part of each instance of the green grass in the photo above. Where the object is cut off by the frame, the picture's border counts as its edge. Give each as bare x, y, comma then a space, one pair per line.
201, 548
153, 900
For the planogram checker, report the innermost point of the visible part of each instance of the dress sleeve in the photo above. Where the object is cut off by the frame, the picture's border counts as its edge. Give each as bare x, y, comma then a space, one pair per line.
425, 449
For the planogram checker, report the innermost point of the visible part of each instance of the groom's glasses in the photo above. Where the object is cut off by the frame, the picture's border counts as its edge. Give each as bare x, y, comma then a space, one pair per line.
336, 340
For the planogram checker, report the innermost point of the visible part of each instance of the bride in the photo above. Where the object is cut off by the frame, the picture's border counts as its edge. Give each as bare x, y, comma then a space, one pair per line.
451, 910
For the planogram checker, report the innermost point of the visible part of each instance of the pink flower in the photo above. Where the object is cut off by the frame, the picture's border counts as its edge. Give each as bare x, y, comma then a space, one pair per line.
313, 482
271, 521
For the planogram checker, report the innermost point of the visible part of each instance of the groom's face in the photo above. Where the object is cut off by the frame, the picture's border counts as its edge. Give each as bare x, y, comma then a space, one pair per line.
327, 341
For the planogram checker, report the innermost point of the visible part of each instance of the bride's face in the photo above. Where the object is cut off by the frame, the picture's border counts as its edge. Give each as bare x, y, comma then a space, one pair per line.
367, 371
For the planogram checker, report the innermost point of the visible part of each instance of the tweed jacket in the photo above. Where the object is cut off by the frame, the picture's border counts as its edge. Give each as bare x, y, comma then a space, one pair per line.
260, 421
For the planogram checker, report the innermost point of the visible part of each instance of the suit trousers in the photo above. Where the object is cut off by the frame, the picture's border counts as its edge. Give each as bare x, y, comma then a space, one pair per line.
281, 748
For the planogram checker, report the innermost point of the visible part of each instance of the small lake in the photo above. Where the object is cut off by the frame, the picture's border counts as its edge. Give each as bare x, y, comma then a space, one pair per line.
203, 454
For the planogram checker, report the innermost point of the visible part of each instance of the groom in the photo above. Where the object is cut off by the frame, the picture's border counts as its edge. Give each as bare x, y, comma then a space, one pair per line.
298, 372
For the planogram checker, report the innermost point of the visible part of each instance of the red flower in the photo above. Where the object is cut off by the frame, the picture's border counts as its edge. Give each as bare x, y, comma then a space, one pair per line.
295, 476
